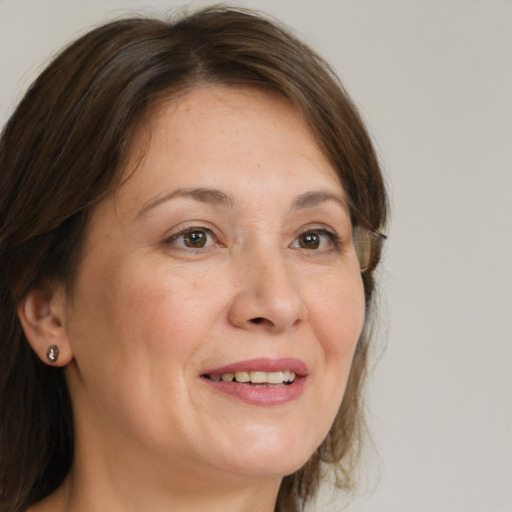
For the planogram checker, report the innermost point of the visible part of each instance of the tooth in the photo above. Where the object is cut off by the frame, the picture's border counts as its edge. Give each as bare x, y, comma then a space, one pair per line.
242, 376
275, 377
258, 377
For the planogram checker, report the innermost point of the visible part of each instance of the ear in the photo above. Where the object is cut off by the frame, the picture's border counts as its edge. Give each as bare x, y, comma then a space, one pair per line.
42, 313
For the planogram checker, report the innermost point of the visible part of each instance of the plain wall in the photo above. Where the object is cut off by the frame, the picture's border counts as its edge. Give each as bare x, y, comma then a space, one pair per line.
434, 81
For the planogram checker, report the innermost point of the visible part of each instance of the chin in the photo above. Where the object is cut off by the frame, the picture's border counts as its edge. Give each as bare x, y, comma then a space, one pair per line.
271, 469
275, 455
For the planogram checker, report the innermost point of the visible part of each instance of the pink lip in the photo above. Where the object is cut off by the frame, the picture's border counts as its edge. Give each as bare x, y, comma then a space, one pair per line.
265, 395
263, 365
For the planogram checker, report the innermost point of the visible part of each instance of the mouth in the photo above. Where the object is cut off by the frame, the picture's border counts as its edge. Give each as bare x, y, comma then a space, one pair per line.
255, 378
260, 381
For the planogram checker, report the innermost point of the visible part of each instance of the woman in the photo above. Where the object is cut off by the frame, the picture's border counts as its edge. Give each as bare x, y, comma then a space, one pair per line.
190, 219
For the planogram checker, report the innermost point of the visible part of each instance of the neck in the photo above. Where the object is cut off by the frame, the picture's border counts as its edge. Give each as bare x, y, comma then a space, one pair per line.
77, 494
96, 484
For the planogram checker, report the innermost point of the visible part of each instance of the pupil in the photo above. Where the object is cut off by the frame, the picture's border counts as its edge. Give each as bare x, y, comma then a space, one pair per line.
310, 241
195, 239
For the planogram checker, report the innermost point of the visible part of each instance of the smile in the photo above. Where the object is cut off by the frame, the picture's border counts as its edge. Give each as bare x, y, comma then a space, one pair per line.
263, 382
257, 378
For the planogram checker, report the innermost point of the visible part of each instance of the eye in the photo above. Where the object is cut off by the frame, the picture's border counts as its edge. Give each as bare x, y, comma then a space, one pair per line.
316, 240
193, 238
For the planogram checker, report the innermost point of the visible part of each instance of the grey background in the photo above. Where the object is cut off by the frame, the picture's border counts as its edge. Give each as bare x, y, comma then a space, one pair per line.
434, 80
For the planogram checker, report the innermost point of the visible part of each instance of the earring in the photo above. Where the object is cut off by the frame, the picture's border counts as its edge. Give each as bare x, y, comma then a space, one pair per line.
52, 354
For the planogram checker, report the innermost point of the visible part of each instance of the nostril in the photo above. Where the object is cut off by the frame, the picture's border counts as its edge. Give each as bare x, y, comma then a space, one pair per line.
257, 320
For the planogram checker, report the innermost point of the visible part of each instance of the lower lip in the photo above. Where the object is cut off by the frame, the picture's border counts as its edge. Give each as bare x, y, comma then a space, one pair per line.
264, 395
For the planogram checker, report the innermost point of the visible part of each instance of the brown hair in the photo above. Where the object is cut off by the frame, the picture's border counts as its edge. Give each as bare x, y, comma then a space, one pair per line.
63, 150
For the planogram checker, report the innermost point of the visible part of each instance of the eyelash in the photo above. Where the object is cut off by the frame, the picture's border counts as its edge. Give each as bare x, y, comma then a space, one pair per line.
333, 239
188, 231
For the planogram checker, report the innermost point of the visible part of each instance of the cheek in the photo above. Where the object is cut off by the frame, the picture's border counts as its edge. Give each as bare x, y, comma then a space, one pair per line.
135, 330
148, 322
338, 316
147, 310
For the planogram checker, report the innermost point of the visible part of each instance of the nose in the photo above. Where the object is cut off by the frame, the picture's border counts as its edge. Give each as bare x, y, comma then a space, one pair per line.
268, 295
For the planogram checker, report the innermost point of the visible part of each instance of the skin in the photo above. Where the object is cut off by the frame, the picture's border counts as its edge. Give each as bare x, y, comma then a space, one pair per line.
149, 314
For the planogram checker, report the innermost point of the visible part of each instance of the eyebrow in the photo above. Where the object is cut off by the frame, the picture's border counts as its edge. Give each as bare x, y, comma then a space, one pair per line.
215, 197
204, 195
314, 198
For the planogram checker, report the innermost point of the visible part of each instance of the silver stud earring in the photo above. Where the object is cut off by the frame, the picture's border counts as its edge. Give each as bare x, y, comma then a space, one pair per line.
52, 354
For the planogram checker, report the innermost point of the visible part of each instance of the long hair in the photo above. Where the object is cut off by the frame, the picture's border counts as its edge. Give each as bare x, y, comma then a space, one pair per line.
63, 151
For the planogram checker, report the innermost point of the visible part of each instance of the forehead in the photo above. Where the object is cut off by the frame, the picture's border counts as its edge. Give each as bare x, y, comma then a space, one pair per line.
211, 133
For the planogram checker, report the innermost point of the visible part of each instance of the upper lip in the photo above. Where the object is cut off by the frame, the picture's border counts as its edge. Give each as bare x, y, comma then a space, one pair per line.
263, 365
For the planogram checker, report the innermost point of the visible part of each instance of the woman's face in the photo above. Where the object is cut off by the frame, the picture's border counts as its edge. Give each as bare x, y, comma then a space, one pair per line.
226, 255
